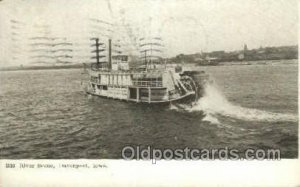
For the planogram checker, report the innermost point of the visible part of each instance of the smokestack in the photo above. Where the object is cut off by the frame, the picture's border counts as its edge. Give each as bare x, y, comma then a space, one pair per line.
97, 51
109, 54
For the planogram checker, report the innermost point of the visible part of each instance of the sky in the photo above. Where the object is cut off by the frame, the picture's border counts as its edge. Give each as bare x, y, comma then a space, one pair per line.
186, 26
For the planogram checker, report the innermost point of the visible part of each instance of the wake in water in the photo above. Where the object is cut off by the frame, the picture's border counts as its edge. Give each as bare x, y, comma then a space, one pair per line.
213, 103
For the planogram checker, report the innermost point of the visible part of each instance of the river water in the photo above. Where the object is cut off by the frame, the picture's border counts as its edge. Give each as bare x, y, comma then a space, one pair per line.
46, 114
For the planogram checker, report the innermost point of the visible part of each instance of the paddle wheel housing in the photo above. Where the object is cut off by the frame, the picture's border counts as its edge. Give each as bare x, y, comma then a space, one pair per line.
195, 81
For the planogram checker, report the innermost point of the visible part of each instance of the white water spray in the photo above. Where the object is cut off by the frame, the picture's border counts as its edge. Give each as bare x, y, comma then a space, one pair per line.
214, 103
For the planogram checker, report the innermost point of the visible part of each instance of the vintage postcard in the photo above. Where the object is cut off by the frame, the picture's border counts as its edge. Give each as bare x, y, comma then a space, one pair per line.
149, 93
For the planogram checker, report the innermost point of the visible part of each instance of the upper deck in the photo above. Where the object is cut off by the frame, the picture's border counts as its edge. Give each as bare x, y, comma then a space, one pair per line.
127, 78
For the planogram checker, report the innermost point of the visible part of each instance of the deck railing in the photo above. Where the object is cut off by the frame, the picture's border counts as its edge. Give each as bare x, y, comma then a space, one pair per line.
147, 83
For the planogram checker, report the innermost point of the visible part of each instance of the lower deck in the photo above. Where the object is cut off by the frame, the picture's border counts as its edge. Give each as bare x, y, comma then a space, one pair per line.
137, 94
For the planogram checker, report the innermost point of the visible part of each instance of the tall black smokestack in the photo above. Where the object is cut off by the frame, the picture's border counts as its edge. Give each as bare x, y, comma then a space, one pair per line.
109, 54
97, 51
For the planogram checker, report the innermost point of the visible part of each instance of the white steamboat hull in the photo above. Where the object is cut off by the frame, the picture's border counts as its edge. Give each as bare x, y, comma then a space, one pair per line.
149, 87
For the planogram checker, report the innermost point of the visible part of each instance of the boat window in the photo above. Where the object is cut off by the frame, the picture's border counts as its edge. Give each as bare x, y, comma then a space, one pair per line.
144, 94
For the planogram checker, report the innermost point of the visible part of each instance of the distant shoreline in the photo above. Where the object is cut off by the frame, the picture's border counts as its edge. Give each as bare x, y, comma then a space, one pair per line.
19, 68
256, 62
81, 66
